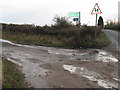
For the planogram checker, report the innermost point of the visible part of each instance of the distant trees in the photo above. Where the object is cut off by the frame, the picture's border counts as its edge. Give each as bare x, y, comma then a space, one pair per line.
112, 25
100, 22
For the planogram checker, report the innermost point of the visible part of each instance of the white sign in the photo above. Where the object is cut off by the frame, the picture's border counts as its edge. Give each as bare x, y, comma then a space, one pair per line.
96, 9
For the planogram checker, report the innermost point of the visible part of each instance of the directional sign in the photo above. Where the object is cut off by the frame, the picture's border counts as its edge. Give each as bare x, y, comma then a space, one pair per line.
96, 9
73, 14
75, 19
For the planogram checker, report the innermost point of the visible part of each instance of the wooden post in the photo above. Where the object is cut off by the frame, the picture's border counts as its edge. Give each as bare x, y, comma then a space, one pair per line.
79, 20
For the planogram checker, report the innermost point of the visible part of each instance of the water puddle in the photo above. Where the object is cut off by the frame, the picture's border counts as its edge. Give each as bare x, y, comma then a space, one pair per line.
65, 52
105, 57
34, 74
91, 75
13, 61
116, 79
34, 70
98, 55
21, 59
56, 52
20, 45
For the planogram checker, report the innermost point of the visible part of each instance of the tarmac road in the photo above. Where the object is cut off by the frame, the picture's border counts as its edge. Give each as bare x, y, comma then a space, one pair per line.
114, 36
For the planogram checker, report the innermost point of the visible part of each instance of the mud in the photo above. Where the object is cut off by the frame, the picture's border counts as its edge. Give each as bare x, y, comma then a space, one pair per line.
48, 67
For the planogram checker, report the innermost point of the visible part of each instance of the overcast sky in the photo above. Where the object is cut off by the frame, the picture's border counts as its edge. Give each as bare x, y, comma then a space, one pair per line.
41, 12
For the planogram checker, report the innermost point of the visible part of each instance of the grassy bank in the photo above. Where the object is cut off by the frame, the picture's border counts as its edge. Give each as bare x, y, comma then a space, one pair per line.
103, 40
35, 39
55, 41
59, 35
12, 77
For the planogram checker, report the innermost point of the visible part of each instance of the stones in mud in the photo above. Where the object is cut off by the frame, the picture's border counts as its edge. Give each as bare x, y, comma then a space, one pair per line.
74, 54
94, 52
61, 60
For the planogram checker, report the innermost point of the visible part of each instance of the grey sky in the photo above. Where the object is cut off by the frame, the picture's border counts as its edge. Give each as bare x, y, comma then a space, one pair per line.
41, 12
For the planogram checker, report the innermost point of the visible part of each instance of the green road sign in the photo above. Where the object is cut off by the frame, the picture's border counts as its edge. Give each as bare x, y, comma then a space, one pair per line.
73, 14
75, 19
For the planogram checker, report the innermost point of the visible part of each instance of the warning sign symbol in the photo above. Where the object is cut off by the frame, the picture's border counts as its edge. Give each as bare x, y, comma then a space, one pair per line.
96, 9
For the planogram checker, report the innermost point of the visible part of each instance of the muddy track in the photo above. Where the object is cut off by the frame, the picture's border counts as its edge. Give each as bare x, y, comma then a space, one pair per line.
48, 67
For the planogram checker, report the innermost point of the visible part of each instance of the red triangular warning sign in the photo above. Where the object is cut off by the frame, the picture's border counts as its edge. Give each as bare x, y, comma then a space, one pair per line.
96, 9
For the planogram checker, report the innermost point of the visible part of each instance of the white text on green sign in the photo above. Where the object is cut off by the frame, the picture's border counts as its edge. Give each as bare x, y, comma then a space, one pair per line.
73, 14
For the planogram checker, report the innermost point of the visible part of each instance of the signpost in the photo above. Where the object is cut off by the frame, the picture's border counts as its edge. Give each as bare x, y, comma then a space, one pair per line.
76, 15
73, 14
75, 19
96, 10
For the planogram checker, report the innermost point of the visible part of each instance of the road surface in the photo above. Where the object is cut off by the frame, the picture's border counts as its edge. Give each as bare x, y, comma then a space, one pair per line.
114, 36
48, 67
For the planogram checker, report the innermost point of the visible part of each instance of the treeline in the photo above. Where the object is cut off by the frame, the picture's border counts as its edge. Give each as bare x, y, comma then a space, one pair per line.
113, 26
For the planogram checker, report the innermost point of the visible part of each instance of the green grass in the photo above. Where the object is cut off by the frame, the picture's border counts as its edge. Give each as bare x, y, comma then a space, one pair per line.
32, 39
12, 77
102, 40
54, 40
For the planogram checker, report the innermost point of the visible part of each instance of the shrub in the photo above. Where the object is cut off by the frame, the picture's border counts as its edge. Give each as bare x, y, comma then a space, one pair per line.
61, 22
85, 36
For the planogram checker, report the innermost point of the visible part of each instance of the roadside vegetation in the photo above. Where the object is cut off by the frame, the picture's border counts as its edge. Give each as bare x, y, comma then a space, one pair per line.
62, 34
12, 77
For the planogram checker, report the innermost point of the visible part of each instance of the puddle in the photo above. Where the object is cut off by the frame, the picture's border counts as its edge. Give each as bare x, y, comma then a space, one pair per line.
34, 74
63, 52
21, 59
116, 79
20, 45
13, 61
105, 57
93, 55
92, 76
33, 70
98, 55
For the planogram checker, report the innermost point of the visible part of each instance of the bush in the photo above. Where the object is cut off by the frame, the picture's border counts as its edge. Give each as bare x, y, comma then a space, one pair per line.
61, 22
85, 36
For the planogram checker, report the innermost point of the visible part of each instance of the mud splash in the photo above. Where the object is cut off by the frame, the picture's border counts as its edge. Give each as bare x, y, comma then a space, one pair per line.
92, 76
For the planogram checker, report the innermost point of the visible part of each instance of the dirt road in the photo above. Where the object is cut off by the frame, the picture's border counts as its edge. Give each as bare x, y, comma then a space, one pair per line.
48, 67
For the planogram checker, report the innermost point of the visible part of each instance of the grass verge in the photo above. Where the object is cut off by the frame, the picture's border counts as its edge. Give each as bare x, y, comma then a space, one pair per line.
12, 77
33, 39
55, 41
102, 40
